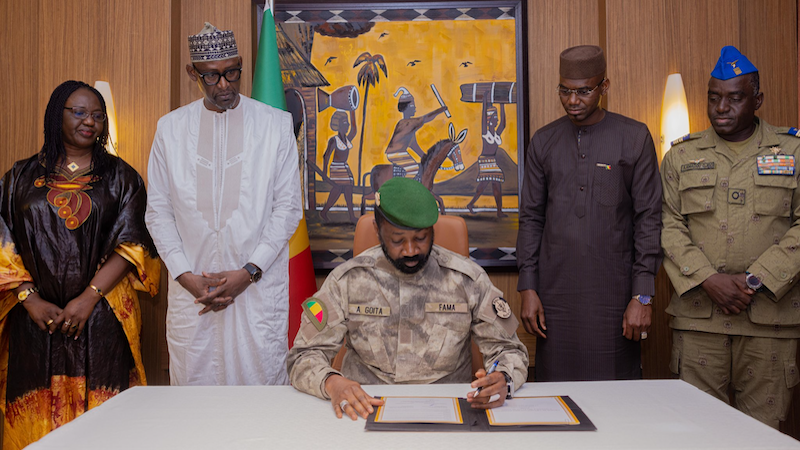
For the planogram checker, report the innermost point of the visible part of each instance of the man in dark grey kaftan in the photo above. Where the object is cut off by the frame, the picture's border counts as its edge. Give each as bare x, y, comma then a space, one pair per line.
589, 226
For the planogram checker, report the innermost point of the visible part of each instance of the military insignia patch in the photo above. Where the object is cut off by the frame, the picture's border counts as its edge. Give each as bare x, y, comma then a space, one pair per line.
680, 139
775, 165
446, 308
794, 132
316, 312
736, 70
736, 196
698, 166
366, 310
501, 308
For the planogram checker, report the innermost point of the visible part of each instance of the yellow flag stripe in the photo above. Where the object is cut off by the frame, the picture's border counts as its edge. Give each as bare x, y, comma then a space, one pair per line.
299, 240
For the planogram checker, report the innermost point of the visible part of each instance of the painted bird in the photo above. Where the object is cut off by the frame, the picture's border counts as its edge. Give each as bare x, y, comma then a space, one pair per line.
384, 34
466, 63
413, 63
330, 58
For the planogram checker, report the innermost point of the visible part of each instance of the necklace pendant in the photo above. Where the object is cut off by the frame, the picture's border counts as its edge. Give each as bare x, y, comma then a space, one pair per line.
73, 167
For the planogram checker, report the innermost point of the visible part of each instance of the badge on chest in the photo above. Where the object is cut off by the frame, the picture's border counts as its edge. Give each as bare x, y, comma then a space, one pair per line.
775, 165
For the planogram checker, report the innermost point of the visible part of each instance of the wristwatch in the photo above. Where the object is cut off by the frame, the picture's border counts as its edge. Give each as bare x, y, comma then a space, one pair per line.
753, 282
645, 300
510, 384
22, 296
254, 271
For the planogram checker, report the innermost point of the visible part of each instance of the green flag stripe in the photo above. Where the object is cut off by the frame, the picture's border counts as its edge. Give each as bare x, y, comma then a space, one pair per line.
267, 81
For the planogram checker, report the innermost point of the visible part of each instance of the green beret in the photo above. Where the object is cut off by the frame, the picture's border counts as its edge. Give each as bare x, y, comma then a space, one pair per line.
406, 203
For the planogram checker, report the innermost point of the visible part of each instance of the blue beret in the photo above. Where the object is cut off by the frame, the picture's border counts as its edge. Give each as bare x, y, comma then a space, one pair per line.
731, 64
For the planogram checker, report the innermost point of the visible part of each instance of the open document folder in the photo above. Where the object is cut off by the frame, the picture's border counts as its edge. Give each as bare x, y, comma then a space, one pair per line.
558, 413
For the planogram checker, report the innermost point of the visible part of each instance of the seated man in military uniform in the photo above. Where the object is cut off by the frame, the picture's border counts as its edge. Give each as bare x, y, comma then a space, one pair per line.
408, 310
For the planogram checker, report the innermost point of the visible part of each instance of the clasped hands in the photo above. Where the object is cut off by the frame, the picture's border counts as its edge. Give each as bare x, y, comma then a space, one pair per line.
215, 291
347, 396
70, 321
729, 292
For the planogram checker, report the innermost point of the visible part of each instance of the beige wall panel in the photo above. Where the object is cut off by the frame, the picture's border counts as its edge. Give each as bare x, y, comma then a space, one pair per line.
137, 67
19, 74
230, 15
769, 39
554, 25
73, 45
697, 31
636, 54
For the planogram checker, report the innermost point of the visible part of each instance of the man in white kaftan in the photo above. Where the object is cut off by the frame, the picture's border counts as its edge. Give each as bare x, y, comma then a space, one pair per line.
223, 201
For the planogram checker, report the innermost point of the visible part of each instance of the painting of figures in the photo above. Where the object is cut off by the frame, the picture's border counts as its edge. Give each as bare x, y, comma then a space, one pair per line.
430, 94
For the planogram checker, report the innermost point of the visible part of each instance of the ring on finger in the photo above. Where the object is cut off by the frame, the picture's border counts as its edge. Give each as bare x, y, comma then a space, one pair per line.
73, 326
343, 404
50, 322
67, 322
644, 335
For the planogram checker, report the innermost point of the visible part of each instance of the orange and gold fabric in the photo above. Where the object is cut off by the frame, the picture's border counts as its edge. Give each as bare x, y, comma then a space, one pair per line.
39, 411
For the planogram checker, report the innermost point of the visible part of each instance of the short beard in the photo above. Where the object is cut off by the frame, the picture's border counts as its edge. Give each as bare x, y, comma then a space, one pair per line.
400, 263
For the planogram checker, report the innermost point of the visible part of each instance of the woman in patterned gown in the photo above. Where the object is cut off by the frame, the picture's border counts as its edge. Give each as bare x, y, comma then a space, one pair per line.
74, 251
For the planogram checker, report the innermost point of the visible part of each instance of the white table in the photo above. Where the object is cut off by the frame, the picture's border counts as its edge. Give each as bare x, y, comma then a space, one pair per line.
646, 414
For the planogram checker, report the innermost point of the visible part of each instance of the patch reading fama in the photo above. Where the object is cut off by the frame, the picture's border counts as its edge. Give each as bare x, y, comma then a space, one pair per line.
367, 310
446, 308
316, 312
698, 166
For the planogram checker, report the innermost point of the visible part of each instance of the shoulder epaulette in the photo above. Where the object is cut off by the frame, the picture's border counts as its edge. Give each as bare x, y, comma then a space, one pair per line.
688, 137
791, 131
455, 261
356, 262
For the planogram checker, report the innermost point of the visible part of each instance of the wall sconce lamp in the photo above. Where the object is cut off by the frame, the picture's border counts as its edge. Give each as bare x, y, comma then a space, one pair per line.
674, 112
105, 90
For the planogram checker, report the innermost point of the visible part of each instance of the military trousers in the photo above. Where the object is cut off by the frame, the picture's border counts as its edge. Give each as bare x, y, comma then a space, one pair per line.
759, 372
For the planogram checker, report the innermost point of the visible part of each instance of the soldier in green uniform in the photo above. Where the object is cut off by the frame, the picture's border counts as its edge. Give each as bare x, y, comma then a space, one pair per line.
731, 232
408, 309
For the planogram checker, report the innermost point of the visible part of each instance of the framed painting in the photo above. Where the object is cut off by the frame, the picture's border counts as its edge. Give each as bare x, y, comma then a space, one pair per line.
427, 90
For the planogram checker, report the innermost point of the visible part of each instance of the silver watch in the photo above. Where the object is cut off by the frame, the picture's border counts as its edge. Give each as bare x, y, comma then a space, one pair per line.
753, 282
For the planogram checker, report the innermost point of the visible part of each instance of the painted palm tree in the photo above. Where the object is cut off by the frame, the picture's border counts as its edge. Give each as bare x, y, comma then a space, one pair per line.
368, 75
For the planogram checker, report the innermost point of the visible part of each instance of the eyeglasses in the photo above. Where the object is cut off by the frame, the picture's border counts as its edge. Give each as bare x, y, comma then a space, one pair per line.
581, 92
83, 114
212, 78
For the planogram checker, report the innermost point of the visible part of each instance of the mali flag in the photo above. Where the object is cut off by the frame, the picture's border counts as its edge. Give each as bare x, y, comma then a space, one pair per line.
268, 88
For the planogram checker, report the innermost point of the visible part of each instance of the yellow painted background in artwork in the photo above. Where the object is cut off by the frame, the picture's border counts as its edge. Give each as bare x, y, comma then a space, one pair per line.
440, 47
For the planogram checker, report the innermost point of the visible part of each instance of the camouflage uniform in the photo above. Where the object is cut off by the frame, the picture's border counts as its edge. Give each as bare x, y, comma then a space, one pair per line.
406, 328
721, 215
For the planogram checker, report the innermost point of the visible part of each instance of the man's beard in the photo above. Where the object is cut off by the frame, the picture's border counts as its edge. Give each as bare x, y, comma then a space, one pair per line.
400, 263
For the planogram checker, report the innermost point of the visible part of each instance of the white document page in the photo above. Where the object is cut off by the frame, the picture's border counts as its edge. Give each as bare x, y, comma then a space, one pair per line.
419, 410
532, 410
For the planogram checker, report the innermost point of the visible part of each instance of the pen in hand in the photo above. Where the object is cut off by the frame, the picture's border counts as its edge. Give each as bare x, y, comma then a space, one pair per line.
488, 372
